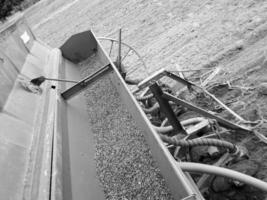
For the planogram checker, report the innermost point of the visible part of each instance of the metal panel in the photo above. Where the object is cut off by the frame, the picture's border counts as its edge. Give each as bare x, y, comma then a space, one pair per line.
78, 147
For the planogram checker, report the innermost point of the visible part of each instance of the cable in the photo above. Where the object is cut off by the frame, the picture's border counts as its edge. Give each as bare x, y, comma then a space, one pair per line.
220, 171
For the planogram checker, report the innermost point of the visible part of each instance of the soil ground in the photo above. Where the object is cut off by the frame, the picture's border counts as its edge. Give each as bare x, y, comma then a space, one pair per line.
191, 34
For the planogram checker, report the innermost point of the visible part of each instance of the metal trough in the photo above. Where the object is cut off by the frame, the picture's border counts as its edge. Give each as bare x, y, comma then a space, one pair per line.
46, 146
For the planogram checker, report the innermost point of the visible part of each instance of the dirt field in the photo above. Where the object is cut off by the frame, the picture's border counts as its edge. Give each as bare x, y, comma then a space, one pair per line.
192, 34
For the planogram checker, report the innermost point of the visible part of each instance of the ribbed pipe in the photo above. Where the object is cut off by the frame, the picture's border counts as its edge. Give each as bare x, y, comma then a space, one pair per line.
152, 109
199, 142
143, 98
220, 171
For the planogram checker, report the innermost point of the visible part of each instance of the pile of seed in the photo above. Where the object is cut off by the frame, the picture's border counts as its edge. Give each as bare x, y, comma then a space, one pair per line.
124, 163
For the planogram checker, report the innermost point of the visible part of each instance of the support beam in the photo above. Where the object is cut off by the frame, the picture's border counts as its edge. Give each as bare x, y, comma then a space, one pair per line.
179, 79
158, 75
166, 109
83, 84
223, 122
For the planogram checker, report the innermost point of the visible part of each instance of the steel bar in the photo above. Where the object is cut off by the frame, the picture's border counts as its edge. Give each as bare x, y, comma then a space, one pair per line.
166, 109
158, 75
80, 86
190, 70
61, 80
211, 76
173, 76
223, 105
119, 52
111, 46
223, 122
151, 79
126, 54
178, 79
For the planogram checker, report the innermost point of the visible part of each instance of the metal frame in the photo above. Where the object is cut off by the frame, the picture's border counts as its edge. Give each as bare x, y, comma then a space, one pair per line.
223, 122
158, 75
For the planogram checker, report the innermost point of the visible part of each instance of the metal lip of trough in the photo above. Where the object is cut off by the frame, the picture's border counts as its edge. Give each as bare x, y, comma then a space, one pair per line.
49, 156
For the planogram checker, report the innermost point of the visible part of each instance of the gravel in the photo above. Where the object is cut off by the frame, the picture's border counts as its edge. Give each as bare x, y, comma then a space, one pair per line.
124, 162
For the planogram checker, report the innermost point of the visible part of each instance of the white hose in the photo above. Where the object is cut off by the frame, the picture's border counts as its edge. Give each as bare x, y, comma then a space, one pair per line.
220, 171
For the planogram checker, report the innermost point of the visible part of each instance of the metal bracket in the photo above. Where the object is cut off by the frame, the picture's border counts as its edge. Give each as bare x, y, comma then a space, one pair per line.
151, 79
179, 79
166, 109
83, 84
158, 75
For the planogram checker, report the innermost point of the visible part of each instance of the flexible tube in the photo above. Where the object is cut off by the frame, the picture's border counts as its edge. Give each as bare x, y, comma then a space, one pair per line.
152, 109
164, 122
192, 121
143, 98
220, 171
163, 129
131, 82
166, 129
200, 142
